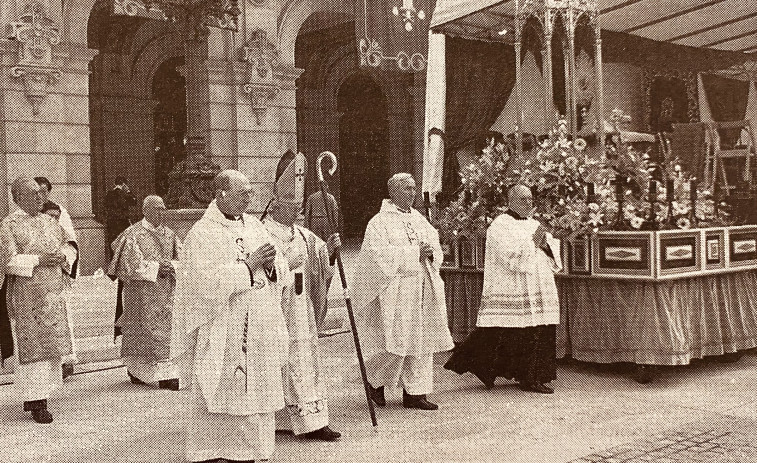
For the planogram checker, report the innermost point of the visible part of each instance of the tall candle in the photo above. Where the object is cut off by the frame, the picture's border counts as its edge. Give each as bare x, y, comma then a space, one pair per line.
670, 191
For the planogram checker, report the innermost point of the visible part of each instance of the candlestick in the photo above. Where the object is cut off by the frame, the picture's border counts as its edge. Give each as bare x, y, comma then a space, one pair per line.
693, 196
652, 199
619, 198
670, 190
670, 197
590, 196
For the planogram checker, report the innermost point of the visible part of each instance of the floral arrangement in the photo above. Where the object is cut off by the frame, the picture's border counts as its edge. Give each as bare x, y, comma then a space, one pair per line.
576, 193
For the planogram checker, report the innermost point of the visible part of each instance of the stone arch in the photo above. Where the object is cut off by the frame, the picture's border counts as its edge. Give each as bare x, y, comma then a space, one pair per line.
148, 58
294, 15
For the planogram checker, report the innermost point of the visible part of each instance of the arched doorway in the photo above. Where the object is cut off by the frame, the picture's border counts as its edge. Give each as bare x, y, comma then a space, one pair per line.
137, 103
363, 144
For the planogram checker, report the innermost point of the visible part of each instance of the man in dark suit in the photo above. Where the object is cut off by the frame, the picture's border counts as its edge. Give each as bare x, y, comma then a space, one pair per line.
117, 203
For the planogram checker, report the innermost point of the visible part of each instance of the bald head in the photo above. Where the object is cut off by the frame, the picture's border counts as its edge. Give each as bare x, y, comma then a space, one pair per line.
520, 200
25, 193
225, 178
233, 192
402, 190
154, 210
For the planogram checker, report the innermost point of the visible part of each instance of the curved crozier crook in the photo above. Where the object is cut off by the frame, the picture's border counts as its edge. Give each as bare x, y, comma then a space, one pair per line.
332, 169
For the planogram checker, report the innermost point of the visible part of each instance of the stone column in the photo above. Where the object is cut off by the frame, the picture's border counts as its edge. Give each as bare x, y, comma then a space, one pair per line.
44, 116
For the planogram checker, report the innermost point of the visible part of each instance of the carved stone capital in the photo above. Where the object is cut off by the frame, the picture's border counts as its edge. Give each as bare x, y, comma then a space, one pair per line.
36, 35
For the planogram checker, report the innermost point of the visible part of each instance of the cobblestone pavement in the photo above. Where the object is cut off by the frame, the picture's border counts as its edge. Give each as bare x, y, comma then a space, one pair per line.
732, 440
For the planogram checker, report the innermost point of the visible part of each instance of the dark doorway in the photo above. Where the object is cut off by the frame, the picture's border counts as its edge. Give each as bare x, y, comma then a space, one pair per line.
363, 145
170, 120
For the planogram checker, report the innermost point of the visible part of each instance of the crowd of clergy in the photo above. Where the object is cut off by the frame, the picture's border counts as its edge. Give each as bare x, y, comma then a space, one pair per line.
233, 312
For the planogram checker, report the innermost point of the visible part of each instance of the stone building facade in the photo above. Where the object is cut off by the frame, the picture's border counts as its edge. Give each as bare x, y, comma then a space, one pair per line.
87, 95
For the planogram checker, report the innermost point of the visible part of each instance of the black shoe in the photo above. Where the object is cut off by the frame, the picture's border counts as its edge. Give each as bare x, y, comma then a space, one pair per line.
417, 401
170, 384
377, 395
325, 433
67, 369
135, 380
40, 414
537, 387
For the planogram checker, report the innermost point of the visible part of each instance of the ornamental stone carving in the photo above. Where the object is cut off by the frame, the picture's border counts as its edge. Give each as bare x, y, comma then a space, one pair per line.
262, 85
36, 35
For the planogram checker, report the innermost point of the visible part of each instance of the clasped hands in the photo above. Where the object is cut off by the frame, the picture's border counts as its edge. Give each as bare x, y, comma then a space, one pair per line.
427, 251
263, 257
52, 259
165, 268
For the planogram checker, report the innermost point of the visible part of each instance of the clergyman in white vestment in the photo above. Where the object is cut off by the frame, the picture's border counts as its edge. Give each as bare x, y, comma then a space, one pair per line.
228, 318
399, 298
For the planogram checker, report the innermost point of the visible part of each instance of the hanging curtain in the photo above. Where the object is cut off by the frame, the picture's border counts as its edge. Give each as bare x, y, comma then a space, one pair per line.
728, 102
480, 77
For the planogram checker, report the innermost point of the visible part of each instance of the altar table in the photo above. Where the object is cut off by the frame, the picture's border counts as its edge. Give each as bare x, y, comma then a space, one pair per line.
667, 322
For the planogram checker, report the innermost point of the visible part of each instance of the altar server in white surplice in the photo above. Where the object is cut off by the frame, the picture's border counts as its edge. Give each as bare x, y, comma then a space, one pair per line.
229, 303
399, 298
515, 334
306, 412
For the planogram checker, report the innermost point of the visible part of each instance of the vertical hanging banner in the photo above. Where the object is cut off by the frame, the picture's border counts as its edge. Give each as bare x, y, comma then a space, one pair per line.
393, 34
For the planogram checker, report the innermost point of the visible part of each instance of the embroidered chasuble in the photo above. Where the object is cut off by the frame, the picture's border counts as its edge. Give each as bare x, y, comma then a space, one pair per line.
304, 392
231, 321
148, 296
35, 293
519, 283
399, 301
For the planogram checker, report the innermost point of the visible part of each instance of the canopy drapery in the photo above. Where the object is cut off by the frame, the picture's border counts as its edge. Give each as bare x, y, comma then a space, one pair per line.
697, 36
721, 25
480, 77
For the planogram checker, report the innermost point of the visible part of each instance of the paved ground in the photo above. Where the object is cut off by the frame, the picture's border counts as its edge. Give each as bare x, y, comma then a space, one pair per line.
703, 412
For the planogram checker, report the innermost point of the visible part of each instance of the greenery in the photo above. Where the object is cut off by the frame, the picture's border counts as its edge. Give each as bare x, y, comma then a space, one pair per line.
562, 174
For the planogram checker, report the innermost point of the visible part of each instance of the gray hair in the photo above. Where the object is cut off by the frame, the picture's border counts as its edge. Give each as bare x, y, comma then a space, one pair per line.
19, 183
398, 179
153, 201
518, 190
222, 181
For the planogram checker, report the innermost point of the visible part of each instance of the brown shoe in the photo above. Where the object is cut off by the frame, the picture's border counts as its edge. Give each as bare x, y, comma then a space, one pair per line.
134, 379
417, 401
169, 384
377, 395
325, 434
67, 370
40, 414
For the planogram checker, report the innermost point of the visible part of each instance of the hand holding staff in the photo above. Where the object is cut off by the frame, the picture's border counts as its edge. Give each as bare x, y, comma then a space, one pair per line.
332, 225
